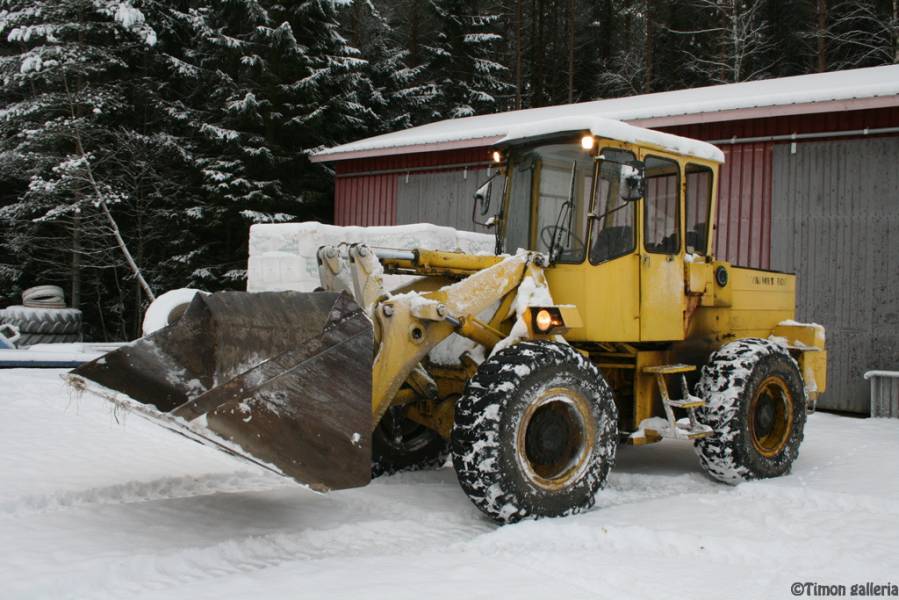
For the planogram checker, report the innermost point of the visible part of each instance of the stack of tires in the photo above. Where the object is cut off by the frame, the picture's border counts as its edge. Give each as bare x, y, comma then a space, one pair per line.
43, 317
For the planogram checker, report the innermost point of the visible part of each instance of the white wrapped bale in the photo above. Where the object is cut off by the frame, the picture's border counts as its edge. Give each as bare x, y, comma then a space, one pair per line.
283, 255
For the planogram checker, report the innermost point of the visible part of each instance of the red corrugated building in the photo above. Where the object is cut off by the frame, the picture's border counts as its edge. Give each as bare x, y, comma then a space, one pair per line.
809, 185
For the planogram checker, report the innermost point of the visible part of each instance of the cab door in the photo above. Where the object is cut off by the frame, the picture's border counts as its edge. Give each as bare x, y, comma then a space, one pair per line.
607, 284
662, 300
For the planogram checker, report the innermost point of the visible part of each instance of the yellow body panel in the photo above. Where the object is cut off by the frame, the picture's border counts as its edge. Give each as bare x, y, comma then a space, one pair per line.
608, 296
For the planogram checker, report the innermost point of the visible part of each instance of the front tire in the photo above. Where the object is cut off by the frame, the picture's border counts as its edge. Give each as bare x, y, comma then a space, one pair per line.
535, 433
755, 403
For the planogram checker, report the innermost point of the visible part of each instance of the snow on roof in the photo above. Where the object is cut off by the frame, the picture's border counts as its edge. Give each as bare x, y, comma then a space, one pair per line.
839, 90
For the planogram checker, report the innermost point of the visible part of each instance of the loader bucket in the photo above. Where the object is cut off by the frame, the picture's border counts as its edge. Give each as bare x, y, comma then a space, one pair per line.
282, 379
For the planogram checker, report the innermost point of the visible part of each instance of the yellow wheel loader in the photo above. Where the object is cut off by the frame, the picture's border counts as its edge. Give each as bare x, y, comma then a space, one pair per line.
603, 318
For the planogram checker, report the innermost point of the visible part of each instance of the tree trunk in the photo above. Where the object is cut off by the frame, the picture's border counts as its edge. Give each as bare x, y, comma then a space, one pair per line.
647, 47
75, 294
605, 42
135, 270
822, 36
571, 25
539, 51
414, 26
356, 24
726, 43
896, 31
138, 296
518, 40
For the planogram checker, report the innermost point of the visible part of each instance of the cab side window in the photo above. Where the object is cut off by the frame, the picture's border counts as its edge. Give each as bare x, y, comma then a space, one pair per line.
696, 209
661, 217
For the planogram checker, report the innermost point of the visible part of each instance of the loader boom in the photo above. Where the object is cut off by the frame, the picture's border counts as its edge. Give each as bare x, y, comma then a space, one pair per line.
409, 326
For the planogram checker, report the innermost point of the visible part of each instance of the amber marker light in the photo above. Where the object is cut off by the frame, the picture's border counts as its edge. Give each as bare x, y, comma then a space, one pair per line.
497, 156
587, 142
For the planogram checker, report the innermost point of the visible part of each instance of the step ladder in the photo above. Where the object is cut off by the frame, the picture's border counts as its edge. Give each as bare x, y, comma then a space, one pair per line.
682, 429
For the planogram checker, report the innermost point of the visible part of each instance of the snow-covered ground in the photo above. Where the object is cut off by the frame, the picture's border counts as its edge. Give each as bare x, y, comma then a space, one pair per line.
91, 507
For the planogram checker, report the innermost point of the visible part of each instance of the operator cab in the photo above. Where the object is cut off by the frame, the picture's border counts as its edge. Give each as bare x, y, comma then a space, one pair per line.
618, 221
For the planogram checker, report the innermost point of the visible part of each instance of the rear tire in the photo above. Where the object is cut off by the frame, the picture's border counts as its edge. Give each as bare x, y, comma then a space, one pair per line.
755, 403
535, 433
400, 444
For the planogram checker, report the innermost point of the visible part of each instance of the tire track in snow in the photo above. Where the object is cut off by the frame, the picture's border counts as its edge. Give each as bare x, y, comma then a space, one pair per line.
387, 523
390, 524
167, 488
378, 533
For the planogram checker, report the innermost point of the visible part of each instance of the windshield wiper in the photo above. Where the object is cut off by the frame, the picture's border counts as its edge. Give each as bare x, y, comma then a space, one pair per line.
566, 230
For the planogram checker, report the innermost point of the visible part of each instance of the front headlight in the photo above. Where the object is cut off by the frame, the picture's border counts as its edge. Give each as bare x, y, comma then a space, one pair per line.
543, 320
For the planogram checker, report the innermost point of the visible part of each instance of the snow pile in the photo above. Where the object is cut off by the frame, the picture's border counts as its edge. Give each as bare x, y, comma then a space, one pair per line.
283, 255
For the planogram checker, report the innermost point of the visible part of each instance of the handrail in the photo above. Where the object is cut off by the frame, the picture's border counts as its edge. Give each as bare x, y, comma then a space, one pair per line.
892, 374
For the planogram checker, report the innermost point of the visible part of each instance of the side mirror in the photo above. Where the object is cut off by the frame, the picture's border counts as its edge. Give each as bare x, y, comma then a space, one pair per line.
483, 201
632, 182
482, 197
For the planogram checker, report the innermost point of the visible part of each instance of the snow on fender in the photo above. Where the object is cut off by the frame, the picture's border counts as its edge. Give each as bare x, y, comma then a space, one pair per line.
168, 308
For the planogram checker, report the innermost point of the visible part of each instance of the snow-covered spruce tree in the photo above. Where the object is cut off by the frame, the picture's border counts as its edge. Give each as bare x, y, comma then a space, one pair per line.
410, 24
395, 92
328, 108
226, 97
467, 79
64, 91
275, 81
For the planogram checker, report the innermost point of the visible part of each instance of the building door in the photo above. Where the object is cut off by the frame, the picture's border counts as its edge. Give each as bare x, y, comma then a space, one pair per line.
835, 223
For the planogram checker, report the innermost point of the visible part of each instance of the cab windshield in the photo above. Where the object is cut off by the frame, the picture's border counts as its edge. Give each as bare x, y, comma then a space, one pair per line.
559, 179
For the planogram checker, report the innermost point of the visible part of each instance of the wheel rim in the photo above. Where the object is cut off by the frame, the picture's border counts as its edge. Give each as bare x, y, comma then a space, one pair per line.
555, 438
771, 417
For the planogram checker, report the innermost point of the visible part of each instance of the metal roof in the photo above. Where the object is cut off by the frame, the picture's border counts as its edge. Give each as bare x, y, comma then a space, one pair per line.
854, 89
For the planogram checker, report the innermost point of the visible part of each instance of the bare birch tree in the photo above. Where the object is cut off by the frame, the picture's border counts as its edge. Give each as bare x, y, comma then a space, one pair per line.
861, 33
734, 45
628, 70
